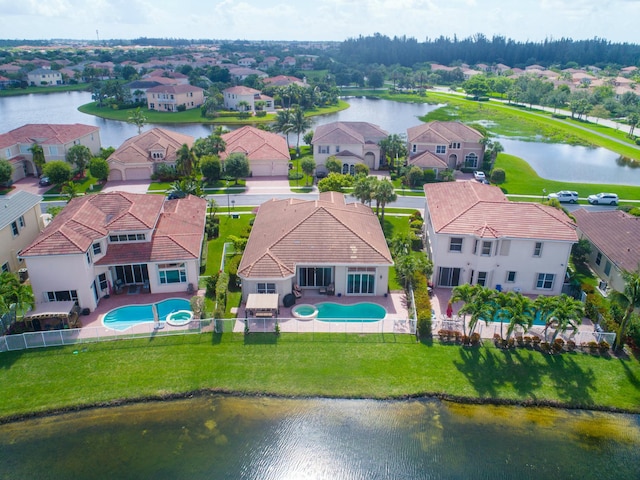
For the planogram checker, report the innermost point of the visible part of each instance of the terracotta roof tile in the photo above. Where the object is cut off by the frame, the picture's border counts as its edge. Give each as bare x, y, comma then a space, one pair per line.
46, 133
442, 131
138, 149
256, 144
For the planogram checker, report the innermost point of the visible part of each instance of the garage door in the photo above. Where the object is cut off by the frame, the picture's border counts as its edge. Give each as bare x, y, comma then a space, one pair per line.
137, 174
270, 169
18, 171
115, 175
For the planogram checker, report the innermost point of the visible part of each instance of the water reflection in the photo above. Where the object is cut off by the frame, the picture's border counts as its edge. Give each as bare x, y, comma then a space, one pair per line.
265, 438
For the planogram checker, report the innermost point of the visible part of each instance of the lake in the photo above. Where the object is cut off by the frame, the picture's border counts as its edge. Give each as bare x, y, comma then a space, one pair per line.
274, 439
552, 161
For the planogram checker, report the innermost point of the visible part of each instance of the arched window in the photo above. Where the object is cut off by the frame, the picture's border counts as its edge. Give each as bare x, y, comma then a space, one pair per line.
471, 160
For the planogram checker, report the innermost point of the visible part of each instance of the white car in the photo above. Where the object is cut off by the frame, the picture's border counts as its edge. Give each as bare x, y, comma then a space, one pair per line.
564, 196
603, 199
478, 175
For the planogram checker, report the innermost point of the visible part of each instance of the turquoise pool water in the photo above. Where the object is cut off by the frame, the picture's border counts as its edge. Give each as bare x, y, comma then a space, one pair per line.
359, 312
537, 321
125, 317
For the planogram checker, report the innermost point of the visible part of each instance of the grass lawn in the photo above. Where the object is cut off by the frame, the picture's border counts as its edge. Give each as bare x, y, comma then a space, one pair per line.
10, 92
86, 184
333, 365
228, 226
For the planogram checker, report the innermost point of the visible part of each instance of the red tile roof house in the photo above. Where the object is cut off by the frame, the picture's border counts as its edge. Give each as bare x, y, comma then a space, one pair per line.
614, 236
56, 140
475, 235
267, 152
138, 157
350, 143
234, 95
315, 244
455, 143
135, 239
167, 98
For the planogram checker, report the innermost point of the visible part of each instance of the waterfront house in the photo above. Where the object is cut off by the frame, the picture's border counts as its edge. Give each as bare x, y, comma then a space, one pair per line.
455, 143
253, 100
168, 98
44, 77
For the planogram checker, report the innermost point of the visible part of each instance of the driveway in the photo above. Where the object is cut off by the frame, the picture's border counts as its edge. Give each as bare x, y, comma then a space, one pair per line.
267, 185
131, 186
30, 184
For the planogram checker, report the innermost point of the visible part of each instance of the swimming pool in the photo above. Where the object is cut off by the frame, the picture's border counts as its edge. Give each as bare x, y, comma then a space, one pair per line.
125, 317
335, 312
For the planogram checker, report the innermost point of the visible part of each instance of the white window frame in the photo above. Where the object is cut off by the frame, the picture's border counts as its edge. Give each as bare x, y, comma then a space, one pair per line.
266, 287
441, 149
508, 278
543, 279
537, 249
458, 249
164, 268
485, 251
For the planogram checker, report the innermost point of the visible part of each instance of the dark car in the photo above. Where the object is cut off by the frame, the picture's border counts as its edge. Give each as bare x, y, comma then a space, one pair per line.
44, 182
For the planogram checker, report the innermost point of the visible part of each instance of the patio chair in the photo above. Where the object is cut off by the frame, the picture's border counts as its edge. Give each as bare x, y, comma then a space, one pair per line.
118, 286
331, 289
190, 289
296, 291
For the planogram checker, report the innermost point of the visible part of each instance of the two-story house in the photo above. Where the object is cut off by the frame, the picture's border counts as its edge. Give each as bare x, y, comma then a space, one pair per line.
167, 98
247, 99
108, 240
475, 235
350, 143
44, 77
454, 143
55, 140
20, 224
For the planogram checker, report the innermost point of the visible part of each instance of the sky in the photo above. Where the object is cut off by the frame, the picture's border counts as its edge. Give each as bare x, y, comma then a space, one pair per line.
317, 20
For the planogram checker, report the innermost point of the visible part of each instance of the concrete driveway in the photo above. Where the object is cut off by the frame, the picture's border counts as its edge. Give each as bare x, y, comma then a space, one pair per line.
131, 186
30, 184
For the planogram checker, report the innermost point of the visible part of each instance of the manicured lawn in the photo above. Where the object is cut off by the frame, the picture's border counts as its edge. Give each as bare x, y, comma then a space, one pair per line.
228, 226
86, 184
9, 92
333, 365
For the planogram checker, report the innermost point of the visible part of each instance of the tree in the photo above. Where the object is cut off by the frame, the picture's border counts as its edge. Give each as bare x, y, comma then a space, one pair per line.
364, 188
567, 313
210, 167
99, 168
58, 171
214, 144
629, 299
299, 124
521, 312
414, 177
236, 166
6, 171
138, 119
186, 186
580, 251
464, 293
79, 155
38, 156
384, 194
481, 307
375, 78
599, 111
13, 293
412, 264
333, 165
307, 137
284, 123
186, 161
308, 166
335, 182
476, 86
70, 189
392, 148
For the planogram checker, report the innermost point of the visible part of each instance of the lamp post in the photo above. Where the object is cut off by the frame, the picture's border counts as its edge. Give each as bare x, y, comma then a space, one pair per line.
233, 204
228, 204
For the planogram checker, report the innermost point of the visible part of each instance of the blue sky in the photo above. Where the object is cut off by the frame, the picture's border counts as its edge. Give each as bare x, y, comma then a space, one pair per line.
614, 20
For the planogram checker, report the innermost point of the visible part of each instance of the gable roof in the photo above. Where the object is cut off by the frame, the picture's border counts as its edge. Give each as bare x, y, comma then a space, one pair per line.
426, 159
447, 132
174, 88
348, 133
46, 133
17, 204
326, 231
241, 90
137, 149
472, 208
614, 233
256, 144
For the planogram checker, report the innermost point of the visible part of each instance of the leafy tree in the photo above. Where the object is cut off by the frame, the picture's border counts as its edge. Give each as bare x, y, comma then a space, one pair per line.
335, 182
186, 161
284, 123
375, 78
580, 251
521, 312
58, 171
236, 166
629, 299
214, 144
333, 165
308, 166
414, 177
12, 292
476, 86
392, 148
106, 152
99, 168
384, 194
307, 137
361, 169
38, 156
210, 167
138, 119
599, 111
6, 171
408, 266
79, 155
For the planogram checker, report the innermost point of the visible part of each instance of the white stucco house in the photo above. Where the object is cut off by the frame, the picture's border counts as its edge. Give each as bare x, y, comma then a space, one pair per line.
350, 142
455, 144
44, 77
475, 235
320, 245
101, 243
233, 97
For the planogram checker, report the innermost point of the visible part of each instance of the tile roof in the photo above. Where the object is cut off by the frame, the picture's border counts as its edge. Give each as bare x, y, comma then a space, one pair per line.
138, 149
447, 132
256, 144
472, 208
174, 88
17, 204
46, 133
426, 159
348, 133
326, 231
615, 233
240, 90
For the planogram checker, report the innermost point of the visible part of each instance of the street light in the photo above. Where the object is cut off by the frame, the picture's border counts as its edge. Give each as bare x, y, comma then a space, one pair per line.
228, 204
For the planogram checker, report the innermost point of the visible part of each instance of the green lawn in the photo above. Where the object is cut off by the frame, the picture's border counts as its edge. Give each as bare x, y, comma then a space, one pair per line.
86, 184
332, 365
9, 92
228, 226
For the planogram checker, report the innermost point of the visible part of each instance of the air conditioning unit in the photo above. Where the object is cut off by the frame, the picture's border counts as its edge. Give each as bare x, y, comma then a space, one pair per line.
602, 285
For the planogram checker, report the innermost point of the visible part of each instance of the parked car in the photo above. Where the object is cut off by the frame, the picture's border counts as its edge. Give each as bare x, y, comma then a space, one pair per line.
564, 196
603, 199
44, 181
480, 176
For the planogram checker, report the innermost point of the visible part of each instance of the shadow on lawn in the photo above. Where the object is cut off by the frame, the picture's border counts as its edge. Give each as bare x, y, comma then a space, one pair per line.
489, 370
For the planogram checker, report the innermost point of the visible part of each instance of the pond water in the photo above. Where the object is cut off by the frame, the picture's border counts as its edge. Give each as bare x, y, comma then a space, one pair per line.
265, 438
552, 161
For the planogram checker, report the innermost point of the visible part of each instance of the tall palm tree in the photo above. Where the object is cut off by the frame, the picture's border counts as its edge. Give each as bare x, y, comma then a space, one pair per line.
12, 292
464, 293
544, 307
284, 123
480, 308
629, 299
138, 119
568, 313
521, 312
37, 153
384, 194
364, 188
186, 162
299, 125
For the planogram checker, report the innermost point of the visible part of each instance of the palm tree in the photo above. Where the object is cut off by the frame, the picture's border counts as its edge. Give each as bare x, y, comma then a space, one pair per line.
14, 295
480, 308
544, 307
299, 125
568, 313
138, 119
186, 186
186, 162
37, 153
521, 312
384, 194
284, 123
629, 299
464, 293
364, 188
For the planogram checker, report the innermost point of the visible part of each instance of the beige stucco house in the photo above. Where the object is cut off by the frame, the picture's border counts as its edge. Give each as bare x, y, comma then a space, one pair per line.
56, 140
20, 224
44, 77
138, 157
350, 142
108, 239
267, 152
475, 235
235, 95
167, 98
455, 143
320, 245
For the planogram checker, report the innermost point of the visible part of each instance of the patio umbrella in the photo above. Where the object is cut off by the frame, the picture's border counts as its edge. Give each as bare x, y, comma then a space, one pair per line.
449, 310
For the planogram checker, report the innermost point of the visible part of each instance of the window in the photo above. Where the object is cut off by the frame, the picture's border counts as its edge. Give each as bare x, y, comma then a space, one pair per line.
482, 278
323, 148
315, 276
545, 281
455, 145
62, 296
89, 257
537, 249
21, 221
14, 229
511, 277
448, 277
475, 246
337, 148
97, 248
607, 268
598, 258
486, 249
414, 148
5, 267
53, 150
455, 244
102, 280
505, 245
361, 280
471, 160
266, 288
172, 273
131, 237
441, 149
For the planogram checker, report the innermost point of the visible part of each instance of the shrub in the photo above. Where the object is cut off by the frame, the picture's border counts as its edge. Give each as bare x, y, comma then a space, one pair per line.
545, 347
498, 176
361, 168
181, 108
424, 325
474, 339
222, 287
429, 176
558, 345
571, 345
603, 346
211, 285
261, 113
527, 340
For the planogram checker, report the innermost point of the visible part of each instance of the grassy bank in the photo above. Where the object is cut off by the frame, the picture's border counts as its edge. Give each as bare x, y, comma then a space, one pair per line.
333, 365
11, 92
